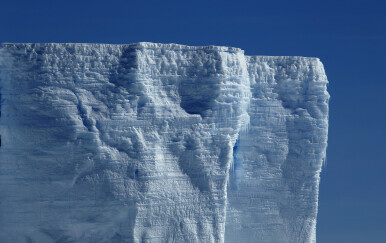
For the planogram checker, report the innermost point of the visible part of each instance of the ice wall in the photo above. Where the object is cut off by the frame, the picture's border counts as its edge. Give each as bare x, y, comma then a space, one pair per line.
159, 143
273, 189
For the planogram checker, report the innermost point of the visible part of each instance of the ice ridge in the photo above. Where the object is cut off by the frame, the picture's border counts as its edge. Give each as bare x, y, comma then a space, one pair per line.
151, 142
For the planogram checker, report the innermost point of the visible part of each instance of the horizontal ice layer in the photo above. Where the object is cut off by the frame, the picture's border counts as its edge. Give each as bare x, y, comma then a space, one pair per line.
150, 143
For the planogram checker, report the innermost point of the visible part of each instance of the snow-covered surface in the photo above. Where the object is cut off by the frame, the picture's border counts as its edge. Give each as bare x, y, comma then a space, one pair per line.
155, 142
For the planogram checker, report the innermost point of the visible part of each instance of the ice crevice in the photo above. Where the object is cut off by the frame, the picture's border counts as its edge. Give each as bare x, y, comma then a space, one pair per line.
152, 142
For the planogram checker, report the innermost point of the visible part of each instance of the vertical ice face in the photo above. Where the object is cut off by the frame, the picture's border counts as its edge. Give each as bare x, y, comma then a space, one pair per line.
159, 143
273, 192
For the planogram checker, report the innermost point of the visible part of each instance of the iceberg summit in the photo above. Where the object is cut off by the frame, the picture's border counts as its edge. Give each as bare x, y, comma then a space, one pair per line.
151, 142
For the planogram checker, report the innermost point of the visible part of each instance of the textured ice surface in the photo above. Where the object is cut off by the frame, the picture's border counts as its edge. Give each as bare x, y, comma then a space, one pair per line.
159, 143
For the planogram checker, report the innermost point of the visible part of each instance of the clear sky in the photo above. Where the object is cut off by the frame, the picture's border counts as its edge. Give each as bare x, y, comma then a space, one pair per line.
348, 36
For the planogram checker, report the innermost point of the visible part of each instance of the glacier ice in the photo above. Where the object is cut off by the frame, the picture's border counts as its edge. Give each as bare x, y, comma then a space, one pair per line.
155, 142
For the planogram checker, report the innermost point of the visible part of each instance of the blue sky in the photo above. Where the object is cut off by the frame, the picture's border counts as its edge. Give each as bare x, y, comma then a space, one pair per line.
348, 36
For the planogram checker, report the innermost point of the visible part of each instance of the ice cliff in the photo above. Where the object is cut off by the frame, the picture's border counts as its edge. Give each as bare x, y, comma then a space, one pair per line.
159, 143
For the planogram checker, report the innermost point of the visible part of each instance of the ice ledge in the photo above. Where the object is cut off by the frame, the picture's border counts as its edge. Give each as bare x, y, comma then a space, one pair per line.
140, 45
151, 45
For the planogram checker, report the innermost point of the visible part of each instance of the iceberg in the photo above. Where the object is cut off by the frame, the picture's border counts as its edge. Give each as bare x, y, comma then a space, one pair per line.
152, 142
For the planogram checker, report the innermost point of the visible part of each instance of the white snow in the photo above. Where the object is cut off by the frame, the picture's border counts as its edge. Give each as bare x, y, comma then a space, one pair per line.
155, 142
